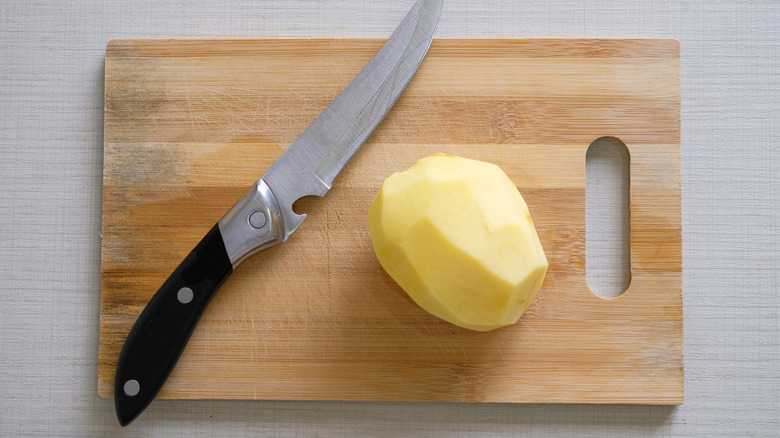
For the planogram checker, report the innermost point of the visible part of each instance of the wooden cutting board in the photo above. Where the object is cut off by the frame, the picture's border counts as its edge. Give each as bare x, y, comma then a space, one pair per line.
190, 125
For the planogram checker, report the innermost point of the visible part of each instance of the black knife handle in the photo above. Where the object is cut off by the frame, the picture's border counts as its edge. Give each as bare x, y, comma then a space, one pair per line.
161, 332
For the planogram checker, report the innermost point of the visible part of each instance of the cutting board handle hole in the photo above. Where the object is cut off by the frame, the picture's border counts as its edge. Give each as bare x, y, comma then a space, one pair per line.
607, 230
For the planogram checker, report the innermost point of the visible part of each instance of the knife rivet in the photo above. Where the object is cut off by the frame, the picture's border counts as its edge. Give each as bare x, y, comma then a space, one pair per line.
132, 388
257, 219
185, 295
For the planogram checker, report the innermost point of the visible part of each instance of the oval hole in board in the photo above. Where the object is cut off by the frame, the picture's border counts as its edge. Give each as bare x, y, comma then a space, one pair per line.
607, 231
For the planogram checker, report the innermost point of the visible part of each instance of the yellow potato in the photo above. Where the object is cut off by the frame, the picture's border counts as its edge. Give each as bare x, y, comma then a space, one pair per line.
457, 236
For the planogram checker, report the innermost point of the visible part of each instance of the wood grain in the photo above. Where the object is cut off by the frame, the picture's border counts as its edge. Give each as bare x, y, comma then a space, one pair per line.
189, 125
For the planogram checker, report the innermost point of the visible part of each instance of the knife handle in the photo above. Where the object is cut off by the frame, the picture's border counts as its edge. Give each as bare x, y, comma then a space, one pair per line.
161, 332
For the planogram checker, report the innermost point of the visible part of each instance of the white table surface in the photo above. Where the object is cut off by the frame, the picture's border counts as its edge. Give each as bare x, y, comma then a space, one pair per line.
51, 103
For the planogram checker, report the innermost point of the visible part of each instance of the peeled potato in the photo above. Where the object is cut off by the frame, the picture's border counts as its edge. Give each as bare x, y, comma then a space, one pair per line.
457, 236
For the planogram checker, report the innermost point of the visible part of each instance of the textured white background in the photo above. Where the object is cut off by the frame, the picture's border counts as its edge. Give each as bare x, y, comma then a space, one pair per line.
51, 85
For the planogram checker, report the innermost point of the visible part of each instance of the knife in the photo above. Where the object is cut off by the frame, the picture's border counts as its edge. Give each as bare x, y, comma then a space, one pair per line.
264, 217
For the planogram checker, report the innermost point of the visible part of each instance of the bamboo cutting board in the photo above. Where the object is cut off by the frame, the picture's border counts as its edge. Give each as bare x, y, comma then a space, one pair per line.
190, 125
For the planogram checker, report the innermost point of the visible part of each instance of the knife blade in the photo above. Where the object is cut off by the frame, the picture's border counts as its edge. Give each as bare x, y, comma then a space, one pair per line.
264, 217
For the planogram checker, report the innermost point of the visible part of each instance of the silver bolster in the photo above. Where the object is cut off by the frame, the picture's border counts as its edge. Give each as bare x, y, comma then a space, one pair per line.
253, 224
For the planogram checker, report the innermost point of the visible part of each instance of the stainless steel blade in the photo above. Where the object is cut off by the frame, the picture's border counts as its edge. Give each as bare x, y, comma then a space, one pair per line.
312, 162
264, 216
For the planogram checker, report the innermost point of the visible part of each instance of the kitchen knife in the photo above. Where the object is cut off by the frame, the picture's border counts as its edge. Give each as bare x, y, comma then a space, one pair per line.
264, 217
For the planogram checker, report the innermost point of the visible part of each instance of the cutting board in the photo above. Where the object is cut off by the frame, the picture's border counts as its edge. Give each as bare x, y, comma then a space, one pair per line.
190, 125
